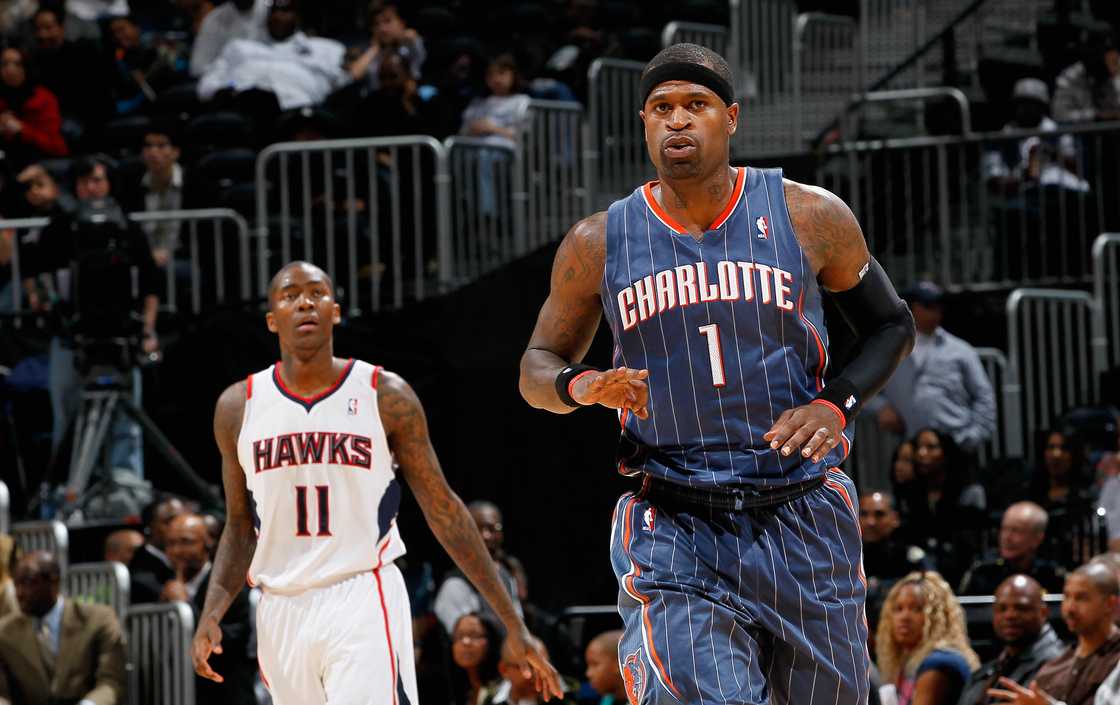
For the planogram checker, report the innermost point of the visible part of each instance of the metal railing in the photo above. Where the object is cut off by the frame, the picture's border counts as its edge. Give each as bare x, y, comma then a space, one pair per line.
5, 509
713, 36
50, 536
199, 269
615, 157
890, 31
1106, 291
869, 464
1052, 365
910, 95
550, 187
995, 365
375, 212
159, 643
208, 268
826, 68
993, 210
761, 56
101, 583
484, 215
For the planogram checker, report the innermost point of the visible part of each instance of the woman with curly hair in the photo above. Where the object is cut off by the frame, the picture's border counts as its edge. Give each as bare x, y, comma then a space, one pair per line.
922, 645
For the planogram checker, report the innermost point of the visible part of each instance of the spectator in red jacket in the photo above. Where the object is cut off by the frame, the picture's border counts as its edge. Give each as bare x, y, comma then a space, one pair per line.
30, 123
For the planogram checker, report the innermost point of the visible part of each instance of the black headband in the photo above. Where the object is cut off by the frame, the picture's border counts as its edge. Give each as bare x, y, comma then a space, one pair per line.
687, 71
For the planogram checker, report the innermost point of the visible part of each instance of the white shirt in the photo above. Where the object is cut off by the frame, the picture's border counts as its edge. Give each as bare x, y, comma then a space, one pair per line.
165, 234
96, 9
221, 26
193, 584
300, 70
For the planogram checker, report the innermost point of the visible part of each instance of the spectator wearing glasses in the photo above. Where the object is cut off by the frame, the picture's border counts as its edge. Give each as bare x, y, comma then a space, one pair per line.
456, 596
1022, 531
476, 647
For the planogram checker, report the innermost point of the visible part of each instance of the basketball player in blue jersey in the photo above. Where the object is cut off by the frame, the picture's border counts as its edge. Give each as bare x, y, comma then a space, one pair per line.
738, 557
312, 449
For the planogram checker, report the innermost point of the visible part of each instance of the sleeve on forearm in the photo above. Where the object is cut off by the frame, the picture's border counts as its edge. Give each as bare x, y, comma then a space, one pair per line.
878, 356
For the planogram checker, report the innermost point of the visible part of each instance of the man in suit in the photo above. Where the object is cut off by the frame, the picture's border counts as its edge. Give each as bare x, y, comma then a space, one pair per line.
188, 547
150, 568
56, 651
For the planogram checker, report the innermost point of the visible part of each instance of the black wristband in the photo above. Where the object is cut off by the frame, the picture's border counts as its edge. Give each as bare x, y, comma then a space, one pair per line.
564, 380
841, 396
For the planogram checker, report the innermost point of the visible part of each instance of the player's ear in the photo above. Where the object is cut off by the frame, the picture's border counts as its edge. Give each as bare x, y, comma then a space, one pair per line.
270, 321
732, 118
336, 314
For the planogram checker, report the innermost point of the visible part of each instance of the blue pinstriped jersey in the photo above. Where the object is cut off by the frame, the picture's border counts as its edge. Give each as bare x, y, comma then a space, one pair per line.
730, 327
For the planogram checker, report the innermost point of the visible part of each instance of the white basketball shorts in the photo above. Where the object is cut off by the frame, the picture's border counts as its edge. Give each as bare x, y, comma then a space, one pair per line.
349, 643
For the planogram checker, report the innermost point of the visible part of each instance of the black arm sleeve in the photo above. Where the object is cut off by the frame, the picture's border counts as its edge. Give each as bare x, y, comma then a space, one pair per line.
885, 329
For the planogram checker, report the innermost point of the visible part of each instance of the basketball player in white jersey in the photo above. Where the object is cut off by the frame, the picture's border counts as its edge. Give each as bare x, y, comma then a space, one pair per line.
308, 449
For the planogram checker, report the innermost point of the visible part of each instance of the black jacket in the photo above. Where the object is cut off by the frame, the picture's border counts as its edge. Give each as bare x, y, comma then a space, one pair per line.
1021, 669
148, 574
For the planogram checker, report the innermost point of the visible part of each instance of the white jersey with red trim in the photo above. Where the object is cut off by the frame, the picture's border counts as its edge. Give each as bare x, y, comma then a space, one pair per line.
321, 482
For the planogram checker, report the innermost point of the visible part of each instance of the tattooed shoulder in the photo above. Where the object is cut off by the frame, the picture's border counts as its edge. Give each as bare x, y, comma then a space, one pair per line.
825, 226
400, 409
229, 410
582, 253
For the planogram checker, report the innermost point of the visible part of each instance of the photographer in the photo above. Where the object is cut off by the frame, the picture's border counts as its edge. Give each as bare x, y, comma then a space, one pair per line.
90, 266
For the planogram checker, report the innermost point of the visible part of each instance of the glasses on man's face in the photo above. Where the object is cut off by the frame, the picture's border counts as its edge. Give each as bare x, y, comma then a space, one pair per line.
470, 638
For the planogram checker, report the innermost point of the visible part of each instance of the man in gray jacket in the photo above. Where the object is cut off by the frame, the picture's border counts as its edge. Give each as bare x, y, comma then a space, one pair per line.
1019, 617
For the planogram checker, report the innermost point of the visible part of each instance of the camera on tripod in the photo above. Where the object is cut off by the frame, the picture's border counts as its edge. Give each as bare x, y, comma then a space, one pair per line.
105, 320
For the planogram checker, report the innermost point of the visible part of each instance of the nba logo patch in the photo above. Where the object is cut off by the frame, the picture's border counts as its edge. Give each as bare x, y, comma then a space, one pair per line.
850, 402
647, 518
352, 407
634, 677
763, 226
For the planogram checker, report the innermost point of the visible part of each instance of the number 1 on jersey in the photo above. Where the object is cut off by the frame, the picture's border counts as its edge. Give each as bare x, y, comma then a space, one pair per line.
322, 493
715, 353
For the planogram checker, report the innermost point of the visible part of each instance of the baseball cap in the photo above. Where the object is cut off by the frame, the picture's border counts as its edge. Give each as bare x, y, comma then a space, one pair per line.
1032, 88
925, 292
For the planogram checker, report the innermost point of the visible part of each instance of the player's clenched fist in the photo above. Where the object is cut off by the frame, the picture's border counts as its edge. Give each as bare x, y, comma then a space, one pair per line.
207, 640
814, 428
620, 388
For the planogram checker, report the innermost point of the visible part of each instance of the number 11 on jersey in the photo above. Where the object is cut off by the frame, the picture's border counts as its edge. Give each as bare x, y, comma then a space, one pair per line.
323, 494
715, 353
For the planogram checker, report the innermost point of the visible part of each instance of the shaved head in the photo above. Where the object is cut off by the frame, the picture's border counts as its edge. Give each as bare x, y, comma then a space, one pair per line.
278, 279
1101, 576
607, 642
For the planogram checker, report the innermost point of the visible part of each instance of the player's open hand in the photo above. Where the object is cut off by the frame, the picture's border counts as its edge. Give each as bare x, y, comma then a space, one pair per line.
528, 651
620, 388
814, 428
207, 640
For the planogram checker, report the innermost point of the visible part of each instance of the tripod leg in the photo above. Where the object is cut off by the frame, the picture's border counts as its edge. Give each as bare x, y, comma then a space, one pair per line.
169, 452
103, 406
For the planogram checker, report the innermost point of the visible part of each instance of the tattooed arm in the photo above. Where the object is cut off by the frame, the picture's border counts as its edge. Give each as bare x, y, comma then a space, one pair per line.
566, 326
829, 234
406, 429
833, 243
239, 539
